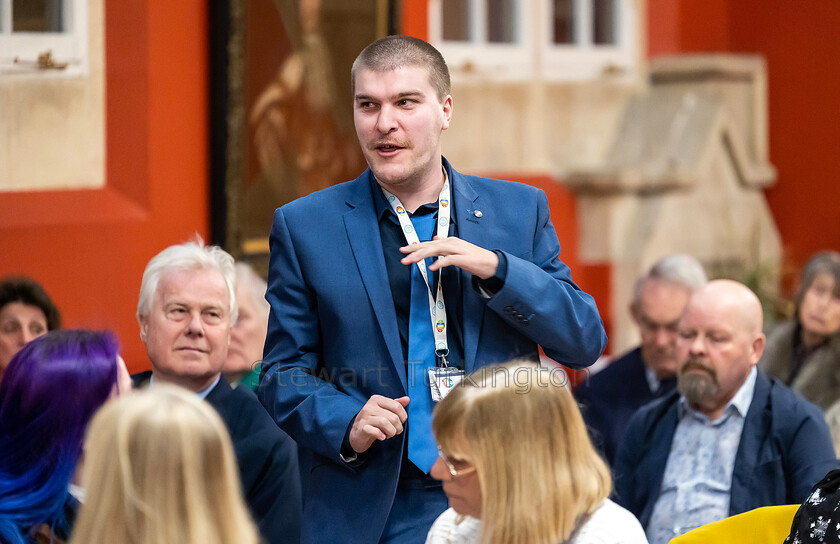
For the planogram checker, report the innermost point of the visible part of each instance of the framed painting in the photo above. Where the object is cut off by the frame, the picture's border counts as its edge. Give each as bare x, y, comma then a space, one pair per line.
281, 107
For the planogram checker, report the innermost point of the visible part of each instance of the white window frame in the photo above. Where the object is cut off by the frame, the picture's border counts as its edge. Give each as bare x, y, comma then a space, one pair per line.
69, 46
478, 56
536, 56
585, 60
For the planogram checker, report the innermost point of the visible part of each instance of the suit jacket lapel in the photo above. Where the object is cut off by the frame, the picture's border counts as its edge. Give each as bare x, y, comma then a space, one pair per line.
753, 436
362, 228
471, 229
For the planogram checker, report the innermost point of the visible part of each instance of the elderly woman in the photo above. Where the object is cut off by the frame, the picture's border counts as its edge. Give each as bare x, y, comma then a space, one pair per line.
162, 471
26, 312
805, 352
51, 390
518, 467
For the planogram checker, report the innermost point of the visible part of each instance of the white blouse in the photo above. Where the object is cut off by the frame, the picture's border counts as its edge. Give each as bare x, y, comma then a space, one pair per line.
609, 524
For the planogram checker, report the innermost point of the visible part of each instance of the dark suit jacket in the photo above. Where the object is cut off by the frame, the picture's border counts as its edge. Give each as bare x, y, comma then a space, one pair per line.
267, 459
609, 398
333, 339
785, 449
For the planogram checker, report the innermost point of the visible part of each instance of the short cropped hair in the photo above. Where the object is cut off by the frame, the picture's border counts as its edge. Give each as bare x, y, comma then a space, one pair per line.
28, 291
824, 262
520, 427
193, 255
255, 287
49, 393
397, 51
680, 269
160, 469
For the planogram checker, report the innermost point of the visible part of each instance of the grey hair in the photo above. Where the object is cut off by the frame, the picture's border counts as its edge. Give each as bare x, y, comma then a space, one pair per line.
392, 52
255, 286
824, 262
193, 255
681, 269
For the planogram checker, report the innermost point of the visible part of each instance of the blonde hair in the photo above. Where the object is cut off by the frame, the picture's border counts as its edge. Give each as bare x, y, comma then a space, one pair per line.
160, 469
519, 426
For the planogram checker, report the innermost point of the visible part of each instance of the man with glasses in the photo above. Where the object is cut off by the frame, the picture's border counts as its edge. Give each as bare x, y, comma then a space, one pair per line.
609, 398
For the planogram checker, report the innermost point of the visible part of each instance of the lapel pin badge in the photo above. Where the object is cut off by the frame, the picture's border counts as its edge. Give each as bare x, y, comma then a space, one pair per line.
478, 213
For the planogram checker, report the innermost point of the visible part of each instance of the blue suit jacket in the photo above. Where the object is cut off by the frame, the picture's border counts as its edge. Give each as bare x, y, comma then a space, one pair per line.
610, 398
785, 449
333, 340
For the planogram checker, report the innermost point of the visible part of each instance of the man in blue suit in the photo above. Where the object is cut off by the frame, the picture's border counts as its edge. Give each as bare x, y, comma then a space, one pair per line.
609, 398
731, 439
349, 323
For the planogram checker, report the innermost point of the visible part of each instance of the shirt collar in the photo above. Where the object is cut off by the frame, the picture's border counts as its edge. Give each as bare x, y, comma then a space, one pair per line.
739, 403
383, 209
201, 394
653, 382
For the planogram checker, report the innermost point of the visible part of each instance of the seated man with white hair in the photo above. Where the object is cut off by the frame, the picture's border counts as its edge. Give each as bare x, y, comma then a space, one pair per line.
730, 439
186, 308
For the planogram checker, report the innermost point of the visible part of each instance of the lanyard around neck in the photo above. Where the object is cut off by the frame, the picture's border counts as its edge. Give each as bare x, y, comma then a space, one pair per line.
437, 306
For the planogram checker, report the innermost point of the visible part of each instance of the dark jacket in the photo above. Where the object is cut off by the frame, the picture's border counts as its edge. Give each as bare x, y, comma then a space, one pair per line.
819, 378
610, 398
785, 449
267, 459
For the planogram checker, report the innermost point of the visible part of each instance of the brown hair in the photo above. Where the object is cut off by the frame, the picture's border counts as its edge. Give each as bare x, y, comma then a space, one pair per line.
397, 51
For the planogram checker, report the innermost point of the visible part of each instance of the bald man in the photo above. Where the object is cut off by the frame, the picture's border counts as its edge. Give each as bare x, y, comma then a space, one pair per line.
730, 439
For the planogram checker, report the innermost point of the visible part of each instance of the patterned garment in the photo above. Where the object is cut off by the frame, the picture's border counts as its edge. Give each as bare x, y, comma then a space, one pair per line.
698, 474
818, 519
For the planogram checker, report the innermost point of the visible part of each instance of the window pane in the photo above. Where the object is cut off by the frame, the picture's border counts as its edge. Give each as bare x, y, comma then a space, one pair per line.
501, 21
564, 21
604, 22
36, 16
456, 20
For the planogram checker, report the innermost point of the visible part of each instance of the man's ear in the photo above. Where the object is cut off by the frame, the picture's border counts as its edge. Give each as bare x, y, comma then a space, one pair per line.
144, 326
447, 112
758, 346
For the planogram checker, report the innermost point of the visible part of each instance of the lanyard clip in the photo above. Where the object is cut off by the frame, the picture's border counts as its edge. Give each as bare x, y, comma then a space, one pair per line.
441, 356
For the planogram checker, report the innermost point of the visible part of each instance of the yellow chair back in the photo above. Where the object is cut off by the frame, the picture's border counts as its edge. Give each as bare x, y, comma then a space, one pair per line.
767, 525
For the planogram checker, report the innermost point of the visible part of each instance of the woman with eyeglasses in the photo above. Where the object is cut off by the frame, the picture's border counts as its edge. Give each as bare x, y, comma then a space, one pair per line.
518, 467
804, 352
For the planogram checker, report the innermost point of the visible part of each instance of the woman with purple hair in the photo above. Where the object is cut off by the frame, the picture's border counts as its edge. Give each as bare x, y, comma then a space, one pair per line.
48, 394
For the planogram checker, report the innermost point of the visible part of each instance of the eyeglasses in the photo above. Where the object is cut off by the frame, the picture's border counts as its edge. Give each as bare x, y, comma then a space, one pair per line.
456, 468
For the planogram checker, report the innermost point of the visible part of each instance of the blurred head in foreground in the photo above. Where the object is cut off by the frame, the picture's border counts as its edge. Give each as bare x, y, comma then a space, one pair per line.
162, 471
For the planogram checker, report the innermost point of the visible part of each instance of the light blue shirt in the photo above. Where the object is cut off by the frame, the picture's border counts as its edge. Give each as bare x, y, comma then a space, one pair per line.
653, 382
698, 475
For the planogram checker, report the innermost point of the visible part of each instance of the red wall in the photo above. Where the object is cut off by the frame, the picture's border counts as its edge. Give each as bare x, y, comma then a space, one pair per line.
89, 248
799, 41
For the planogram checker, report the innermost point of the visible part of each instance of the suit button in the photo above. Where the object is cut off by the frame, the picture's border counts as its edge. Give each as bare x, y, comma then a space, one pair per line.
509, 310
